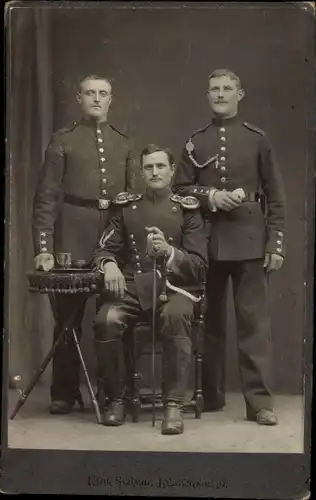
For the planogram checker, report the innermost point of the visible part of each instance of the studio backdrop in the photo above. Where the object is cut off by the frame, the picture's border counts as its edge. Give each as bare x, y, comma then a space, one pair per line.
159, 60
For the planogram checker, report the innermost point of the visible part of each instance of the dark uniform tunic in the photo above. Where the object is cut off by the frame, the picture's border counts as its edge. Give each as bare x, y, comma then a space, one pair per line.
229, 154
85, 167
184, 229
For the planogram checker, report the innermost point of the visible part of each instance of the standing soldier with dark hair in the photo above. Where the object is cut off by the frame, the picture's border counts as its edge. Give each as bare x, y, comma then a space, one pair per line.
85, 167
231, 167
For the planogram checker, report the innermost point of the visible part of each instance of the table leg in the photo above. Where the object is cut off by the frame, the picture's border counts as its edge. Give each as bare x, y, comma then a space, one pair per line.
42, 368
91, 392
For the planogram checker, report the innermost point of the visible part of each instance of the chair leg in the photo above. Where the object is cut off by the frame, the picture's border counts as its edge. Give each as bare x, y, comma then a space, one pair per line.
198, 394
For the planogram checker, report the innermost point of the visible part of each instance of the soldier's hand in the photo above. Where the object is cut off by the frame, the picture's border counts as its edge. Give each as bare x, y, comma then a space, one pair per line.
272, 262
44, 261
156, 243
227, 201
114, 280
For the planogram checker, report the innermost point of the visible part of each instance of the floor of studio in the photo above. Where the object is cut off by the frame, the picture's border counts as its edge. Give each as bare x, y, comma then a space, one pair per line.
225, 431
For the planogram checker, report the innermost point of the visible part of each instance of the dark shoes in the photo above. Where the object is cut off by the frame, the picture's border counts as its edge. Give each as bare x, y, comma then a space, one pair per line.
115, 413
172, 420
263, 417
60, 407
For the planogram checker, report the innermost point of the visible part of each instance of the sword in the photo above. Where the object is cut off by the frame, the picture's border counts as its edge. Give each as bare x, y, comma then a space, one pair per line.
153, 341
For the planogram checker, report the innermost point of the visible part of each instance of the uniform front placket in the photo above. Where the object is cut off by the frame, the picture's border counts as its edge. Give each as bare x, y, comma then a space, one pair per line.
222, 155
102, 161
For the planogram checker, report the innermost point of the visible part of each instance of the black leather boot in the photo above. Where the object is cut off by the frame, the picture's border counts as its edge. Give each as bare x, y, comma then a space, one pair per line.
115, 414
172, 420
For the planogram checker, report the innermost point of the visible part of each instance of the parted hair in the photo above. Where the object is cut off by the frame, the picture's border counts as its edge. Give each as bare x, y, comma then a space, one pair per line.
94, 77
153, 148
226, 72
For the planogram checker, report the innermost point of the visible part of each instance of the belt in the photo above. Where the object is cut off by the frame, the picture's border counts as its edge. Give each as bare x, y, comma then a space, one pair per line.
97, 204
252, 197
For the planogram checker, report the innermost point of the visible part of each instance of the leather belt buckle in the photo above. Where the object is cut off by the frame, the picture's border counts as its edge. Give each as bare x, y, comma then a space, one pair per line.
103, 204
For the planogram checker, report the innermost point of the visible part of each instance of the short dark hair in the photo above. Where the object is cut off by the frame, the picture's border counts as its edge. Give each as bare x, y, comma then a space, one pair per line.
152, 148
226, 72
95, 77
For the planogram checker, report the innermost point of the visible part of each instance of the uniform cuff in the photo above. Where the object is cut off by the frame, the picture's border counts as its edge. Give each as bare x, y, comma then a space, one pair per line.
168, 263
211, 201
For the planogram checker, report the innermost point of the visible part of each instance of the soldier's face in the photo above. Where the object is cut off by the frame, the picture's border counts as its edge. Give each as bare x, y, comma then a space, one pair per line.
224, 96
157, 170
95, 98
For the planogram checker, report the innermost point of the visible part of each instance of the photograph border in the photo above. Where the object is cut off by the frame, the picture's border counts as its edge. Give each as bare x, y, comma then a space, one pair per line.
229, 475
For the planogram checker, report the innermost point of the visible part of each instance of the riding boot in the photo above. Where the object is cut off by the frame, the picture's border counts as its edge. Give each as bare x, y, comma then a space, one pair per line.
111, 370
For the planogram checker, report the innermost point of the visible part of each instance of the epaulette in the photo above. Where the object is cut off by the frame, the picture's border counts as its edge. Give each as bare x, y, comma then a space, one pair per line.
253, 128
189, 202
118, 131
124, 198
66, 129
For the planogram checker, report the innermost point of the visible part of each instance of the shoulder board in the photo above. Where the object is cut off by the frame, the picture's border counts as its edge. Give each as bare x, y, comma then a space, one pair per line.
124, 198
118, 131
253, 128
189, 202
66, 129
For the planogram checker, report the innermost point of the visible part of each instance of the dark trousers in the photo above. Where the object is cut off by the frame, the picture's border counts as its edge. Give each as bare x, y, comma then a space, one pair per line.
66, 364
250, 294
117, 319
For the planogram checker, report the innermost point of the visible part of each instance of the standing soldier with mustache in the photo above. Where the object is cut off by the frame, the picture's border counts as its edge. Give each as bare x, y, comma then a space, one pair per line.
229, 165
85, 167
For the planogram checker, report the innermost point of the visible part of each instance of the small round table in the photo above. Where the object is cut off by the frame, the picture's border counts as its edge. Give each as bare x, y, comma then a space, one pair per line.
63, 281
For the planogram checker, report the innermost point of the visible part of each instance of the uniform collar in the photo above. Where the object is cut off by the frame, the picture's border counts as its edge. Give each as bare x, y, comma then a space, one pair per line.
91, 123
220, 122
157, 196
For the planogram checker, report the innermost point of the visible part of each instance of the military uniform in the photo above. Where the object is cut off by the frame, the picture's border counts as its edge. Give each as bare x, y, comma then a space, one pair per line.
85, 167
180, 220
230, 154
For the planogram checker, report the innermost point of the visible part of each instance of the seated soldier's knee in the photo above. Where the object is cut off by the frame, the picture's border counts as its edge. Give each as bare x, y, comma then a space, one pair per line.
108, 324
175, 322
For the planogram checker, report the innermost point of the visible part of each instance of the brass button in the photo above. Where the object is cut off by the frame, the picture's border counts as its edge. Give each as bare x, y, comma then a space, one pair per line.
279, 242
134, 207
43, 234
104, 191
102, 159
279, 250
138, 271
100, 139
279, 233
170, 238
223, 179
44, 249
174, 209
104, 181
99, 131
223, 169
223, 139
103, 170
222, 129
131, 236
223, 148
101, 150
222, 158
44, 242
137, 257
194, 190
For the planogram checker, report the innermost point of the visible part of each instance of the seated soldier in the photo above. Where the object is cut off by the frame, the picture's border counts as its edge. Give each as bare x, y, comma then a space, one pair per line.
170, 229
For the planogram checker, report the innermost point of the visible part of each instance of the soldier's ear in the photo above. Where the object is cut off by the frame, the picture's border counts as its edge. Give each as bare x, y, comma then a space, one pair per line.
79, 100
240, 94
173, 168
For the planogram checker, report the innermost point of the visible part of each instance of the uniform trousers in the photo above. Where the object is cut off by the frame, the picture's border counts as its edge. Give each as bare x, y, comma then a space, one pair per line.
250, 295
65, 384
117, 319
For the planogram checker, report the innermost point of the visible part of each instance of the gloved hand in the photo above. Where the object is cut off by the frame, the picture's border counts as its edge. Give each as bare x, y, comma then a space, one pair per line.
226, 200
44, 261
156, 243
272, 262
